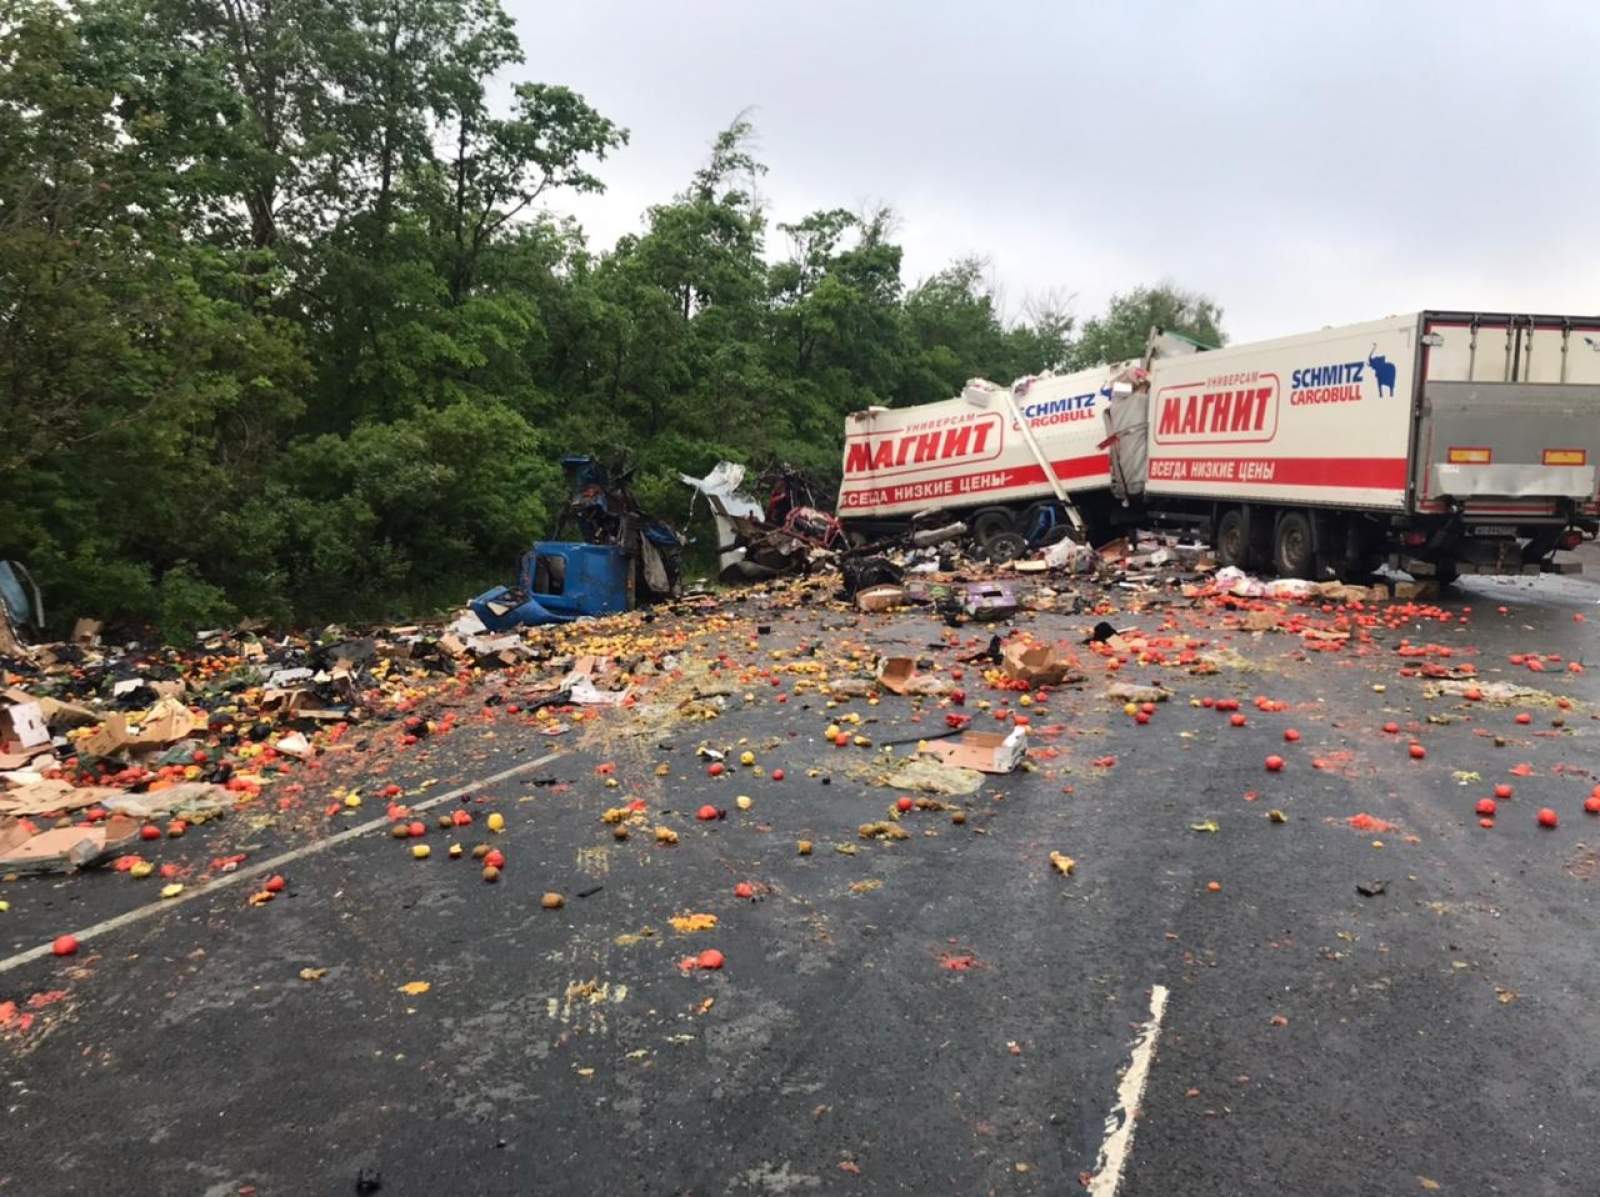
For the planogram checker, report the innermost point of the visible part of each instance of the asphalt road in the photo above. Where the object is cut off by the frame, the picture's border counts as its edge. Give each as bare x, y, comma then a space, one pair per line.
944, 1014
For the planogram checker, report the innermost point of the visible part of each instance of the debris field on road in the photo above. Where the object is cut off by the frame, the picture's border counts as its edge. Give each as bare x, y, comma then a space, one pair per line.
745, 775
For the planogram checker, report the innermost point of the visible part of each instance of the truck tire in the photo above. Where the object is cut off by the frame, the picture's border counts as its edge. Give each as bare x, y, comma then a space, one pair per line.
1292, 553
990, 524
1233, 539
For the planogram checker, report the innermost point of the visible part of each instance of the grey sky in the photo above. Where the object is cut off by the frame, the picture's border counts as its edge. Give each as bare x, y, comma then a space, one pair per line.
1305, 164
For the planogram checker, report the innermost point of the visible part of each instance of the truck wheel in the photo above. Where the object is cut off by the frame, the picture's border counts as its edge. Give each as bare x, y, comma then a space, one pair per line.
1292, 555
1233, 540
990, 524
1445, 572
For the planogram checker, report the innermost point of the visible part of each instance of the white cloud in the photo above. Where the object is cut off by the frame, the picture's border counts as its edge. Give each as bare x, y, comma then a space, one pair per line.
1305, 165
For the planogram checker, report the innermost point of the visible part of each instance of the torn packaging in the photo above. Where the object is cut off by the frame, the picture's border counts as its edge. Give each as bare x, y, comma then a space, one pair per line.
42, 797
22, 722
899, 675
987, 752
1038, 664
64, 847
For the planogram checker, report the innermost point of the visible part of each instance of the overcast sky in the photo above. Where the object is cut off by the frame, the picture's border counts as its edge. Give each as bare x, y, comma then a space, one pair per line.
1304, 164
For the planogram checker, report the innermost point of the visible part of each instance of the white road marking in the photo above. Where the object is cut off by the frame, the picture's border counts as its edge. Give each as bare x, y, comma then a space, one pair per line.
1118, 1143
271, 866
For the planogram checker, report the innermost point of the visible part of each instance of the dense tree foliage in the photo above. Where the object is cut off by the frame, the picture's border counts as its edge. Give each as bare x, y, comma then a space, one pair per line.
286, 327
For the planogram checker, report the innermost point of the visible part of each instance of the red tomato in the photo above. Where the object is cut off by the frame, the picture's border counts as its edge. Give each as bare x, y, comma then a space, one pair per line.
1503, 790
1524, 718
274, 884
494, 858
706, 812
1418, 752
1485, 822
710, 958
65, 945
842, 740
1548, 817
1486, 806
1141, 717
1236, 720
902, 805
744, 890
1592, 804
1290, 734
149, 832
1274, 764
714, 769
777, 775
1391, 729
417, 828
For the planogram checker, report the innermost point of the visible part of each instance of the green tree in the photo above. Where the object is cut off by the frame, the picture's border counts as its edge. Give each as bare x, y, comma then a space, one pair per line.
1122, 332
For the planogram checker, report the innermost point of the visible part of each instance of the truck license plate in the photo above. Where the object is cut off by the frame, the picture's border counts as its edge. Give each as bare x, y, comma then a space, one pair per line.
1493, 530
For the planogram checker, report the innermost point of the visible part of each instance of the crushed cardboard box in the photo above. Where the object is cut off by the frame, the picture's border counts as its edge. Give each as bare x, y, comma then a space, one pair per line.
1038, 664
43, 797
22, 850
899, 676
22, 722
987, 752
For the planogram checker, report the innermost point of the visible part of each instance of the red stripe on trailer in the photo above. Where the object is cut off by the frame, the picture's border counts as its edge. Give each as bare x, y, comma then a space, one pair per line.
1356, 473
979, 482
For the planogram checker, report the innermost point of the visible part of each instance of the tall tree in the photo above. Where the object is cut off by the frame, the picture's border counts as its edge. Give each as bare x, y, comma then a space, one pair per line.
1122, 332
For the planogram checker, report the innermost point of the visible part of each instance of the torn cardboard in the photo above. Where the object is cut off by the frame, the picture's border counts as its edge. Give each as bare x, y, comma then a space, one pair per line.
24, 851
1037, 664
899, 676
987, 752
43, 797
22, 722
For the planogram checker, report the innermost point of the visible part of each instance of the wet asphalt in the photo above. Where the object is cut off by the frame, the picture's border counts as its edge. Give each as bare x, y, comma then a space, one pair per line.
943, 1014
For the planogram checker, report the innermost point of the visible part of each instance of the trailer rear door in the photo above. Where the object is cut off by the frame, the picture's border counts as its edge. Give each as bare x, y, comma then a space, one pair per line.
1509, 423
1508, 448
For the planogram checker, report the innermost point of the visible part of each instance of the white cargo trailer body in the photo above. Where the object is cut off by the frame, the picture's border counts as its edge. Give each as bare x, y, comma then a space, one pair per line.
971, 450
1323, 418
1439, 441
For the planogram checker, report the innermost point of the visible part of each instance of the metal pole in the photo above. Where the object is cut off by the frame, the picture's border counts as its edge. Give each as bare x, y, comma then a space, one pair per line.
1044, 464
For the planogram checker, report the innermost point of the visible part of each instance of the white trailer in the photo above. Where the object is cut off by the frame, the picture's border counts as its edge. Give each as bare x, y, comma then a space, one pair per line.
1441, 441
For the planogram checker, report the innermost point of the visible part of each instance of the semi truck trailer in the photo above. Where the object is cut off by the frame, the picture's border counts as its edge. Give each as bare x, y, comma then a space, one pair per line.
1438, 442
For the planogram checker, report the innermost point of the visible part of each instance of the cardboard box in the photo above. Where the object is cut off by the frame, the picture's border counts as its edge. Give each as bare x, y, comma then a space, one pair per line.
987, 752
111, 738
880, 598
22, 722
1037, 664
22, 851
990, 601
899, 676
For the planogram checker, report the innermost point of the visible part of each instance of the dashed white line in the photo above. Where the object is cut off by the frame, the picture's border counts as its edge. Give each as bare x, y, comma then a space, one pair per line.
1118, 1143
238, 876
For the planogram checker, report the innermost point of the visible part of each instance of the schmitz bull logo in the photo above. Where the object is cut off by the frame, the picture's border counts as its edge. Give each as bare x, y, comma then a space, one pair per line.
925, 445
1225, 409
